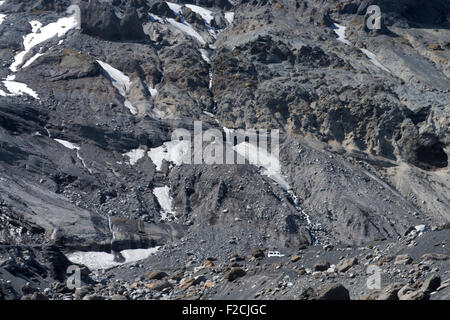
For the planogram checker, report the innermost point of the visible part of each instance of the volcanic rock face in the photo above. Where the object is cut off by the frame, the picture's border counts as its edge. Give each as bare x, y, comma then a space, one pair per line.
91, 92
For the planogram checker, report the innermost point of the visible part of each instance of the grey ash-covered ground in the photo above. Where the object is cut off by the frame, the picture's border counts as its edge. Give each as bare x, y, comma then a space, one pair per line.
88, 88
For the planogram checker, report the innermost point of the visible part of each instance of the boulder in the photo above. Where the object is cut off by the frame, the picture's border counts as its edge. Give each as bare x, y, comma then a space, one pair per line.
409, 293
403, 259
333, 291
234, 274
321, 266
431, 284
346, 264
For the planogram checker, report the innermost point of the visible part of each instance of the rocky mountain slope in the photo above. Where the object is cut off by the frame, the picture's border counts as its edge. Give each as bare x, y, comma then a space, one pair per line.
91, 92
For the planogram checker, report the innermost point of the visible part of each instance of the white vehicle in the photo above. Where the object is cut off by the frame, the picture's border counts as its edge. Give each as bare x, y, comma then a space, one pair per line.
275, 254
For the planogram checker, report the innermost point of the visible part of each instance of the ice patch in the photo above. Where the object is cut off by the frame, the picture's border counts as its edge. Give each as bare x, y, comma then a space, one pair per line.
229, 16
153, 91
164, 200
130, 107
120, 81
340, 31
135, 155
2, 16
175, 7
206, 14
267, 161
18, 88
102, 260
67, 144
176, 152
205, 55
155, 18
373, 58
32, 59
40, 34
186, 28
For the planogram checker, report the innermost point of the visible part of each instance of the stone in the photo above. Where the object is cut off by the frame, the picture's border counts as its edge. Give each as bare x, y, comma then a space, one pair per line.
333, 291
390, 292
409, 293
234, 274
94, 297
156, 275
187, 283
346, 264
321, 266
257, 253
158, 285
295, 258
403, 259
431, 284
434, 257
208, 264
81, 292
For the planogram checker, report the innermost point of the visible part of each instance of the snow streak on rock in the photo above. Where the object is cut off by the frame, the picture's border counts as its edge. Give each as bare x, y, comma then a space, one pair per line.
164, 200
373, 58
340, 31
120, 81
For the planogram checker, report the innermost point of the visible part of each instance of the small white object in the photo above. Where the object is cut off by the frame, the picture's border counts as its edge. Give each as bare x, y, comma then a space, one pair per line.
275, 254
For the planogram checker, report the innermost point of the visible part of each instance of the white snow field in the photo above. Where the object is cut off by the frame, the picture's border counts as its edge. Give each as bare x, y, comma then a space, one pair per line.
120, 81
17, 88
165, 200
102, 260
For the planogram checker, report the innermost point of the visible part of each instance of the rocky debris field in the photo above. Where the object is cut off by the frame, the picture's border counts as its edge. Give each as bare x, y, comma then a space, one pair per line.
91, 92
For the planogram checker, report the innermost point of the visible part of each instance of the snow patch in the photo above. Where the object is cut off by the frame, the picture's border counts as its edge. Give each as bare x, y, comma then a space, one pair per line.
135, 155
340, 31
164, 200
120, 81
171, 151
40, 34
229, 16
67, 144
187, 28
153, 91
155, 18
205, 55
206, 14
373, 58
267, 161
101, 260
2, 16
32, 59
18, 88
175, 7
